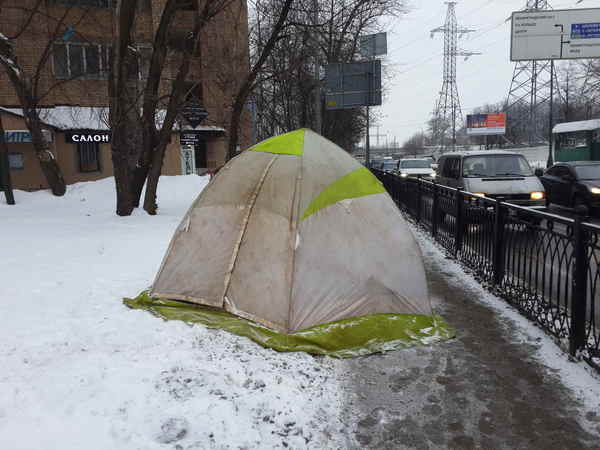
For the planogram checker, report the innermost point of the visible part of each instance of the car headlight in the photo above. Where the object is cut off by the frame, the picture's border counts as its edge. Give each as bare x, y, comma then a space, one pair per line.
403, 175
478, 194
595, 190
537, 196
433, 175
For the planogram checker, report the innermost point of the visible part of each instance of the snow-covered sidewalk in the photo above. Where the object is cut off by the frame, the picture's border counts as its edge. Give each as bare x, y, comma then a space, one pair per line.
80, 370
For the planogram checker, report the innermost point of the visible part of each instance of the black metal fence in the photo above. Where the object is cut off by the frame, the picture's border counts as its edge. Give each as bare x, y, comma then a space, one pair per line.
546, 265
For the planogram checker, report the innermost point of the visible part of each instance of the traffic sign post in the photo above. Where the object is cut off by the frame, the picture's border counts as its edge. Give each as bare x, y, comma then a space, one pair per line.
353, 85
373, 45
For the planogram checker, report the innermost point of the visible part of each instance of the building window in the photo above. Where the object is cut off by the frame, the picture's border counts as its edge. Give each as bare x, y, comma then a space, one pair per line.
105, 4
16, 161
88, 153
81, 60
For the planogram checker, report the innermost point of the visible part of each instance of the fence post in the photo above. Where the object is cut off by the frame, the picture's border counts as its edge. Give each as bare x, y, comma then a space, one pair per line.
579, 284
459, 223
434, 211
499, 224
419, 202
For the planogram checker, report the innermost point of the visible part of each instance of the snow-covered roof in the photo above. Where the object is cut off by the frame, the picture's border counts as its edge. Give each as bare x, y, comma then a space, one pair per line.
570, 127
160, 117
71, 117
93, 118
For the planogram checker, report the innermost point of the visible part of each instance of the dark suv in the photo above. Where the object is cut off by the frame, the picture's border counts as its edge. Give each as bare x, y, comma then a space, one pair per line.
573, 184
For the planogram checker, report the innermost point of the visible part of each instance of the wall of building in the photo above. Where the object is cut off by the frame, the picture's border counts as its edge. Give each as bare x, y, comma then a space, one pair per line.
31, 176
223, 63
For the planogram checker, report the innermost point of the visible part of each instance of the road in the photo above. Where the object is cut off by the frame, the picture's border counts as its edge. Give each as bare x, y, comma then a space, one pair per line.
485, 389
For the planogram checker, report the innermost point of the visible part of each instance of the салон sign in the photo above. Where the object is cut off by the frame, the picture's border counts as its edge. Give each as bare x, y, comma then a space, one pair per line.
75, 137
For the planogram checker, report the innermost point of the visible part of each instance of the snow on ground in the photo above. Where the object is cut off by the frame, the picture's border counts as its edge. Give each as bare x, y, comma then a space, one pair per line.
578, 377
80, 370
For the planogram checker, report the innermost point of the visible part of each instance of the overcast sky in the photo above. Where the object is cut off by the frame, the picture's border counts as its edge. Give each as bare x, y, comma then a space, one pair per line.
415, 61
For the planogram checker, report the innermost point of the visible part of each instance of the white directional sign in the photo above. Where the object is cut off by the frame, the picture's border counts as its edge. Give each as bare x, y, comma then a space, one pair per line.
555, 34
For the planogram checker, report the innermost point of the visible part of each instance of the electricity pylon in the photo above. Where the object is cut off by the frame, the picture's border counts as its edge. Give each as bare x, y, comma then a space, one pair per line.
448, 112
530, 90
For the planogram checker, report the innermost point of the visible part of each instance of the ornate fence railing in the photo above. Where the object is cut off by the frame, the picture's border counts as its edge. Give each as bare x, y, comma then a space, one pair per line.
547, 266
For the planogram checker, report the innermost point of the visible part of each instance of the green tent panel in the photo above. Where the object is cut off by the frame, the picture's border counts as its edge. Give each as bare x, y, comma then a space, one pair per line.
286, 144
356, 184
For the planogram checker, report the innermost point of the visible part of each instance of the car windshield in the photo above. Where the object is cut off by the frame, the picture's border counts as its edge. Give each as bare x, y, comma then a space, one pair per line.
416, 164
496, 166
387, 165
591, 172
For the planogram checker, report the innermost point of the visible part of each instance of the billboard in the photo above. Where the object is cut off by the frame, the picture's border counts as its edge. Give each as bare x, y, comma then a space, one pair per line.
353, 85
486, 124
555, 34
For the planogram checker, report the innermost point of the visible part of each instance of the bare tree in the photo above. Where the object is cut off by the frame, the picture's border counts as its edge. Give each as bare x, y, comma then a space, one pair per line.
26, 78
136, 165
316, 33
124, 151
274, 35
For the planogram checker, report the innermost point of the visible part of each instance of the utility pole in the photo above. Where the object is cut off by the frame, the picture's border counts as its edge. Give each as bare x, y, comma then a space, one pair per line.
317, 72
530, 89
448, 111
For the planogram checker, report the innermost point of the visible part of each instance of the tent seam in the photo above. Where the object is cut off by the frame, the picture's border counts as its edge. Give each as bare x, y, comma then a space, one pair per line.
296, 232
238, 245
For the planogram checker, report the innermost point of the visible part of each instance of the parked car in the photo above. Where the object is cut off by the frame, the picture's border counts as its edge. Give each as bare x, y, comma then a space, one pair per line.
387, 165
573, 184
416, 168
492, 174
376, 163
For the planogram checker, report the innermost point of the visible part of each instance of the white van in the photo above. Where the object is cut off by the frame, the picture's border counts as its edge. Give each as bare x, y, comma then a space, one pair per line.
493, 174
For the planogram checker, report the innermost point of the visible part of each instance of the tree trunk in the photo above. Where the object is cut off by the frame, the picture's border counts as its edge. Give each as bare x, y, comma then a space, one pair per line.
234, 128
140, 173
28, 102
150, 204
123, 98
5, 182
122, 183
47, 161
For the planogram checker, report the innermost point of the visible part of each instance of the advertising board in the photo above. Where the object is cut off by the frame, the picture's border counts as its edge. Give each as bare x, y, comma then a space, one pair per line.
555, 34
486, 124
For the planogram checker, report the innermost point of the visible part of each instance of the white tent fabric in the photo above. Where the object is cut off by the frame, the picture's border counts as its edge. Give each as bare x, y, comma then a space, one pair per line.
248, 246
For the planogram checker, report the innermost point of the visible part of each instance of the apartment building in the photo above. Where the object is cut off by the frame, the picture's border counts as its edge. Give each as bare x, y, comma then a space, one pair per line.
64, 47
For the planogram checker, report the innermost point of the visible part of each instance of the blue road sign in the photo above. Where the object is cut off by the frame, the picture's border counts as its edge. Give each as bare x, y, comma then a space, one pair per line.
585, 30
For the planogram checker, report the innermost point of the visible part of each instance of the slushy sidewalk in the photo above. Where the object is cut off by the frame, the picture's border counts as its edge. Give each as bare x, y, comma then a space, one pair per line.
501, 384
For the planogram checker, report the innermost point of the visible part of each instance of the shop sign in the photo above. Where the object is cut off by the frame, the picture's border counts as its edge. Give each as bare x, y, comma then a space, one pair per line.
76, 137
190, 137
23, 136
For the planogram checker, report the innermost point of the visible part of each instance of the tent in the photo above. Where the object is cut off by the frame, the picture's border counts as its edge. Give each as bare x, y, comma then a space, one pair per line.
292, 234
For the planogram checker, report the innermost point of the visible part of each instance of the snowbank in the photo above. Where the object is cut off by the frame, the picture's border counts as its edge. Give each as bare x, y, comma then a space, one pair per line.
80, 370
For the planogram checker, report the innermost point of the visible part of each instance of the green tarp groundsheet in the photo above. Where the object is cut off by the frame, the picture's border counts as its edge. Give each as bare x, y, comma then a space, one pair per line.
347, 338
